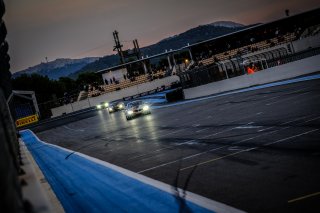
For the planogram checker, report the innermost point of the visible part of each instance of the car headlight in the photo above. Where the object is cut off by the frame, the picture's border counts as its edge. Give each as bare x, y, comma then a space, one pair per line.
110, 109
145, 107
121, 106
106, 104
130, 112
99, 106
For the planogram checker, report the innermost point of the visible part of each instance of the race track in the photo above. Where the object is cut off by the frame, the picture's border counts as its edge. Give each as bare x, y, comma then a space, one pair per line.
258, 151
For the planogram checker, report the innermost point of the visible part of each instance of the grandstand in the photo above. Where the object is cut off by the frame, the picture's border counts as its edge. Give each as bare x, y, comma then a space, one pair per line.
140, 79
262, 46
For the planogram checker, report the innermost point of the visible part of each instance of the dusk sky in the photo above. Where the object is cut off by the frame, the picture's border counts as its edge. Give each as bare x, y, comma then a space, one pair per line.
82, 28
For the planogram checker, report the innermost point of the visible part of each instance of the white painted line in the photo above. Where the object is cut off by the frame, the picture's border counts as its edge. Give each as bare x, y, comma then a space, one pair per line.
168, 133
223, 131
186, 142
191, 156
201, 130
76, 130
235, 148
248, 127
313, 119
261, 130
221, 147
194, 198
295, 136
246, 150
196, 125
304, 197
286, 99
146, 154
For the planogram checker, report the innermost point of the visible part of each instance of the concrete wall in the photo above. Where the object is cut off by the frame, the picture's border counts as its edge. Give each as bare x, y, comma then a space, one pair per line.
113, 96
305, 43
285, 71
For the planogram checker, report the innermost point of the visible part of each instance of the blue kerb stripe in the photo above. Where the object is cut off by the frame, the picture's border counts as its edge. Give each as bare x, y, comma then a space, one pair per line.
82, 185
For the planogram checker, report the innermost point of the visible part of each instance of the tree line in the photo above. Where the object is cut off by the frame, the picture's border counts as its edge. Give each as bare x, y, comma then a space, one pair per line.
47, 89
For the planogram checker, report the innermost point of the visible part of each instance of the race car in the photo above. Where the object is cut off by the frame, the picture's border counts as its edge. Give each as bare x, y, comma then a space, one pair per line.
103, 105
117, 106
136, 108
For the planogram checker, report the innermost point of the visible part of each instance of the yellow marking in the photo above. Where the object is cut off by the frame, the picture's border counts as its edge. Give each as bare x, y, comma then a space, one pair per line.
304, 197
26, 120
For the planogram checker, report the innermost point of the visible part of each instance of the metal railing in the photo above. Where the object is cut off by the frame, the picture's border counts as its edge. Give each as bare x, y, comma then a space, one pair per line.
235, 67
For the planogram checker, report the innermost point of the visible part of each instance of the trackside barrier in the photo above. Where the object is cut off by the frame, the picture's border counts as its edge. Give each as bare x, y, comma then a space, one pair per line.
117, 95
273, 74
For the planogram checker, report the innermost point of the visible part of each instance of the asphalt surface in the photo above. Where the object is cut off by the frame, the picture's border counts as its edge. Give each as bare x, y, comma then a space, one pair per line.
258, 151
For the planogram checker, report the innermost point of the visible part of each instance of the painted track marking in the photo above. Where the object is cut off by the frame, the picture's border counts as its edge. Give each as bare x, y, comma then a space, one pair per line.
221, 147
304, 197
247, 150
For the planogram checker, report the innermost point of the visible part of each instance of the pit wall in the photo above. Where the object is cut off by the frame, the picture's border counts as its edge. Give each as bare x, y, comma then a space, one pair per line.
130, 91
282, 72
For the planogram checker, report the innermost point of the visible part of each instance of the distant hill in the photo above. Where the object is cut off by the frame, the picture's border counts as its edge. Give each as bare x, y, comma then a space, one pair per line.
58, 68
101, 63
73, 67
194, 35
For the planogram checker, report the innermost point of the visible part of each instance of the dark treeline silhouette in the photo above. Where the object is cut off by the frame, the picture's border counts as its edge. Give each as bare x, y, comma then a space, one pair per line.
47, 89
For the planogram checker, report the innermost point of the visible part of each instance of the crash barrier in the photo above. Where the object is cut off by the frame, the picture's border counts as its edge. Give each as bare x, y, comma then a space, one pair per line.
276, 73
112, 96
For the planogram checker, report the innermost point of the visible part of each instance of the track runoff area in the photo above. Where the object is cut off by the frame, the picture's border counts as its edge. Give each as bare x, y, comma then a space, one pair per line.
257, 151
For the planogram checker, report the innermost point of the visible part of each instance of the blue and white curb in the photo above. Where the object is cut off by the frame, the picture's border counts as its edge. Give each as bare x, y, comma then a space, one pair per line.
86, 184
